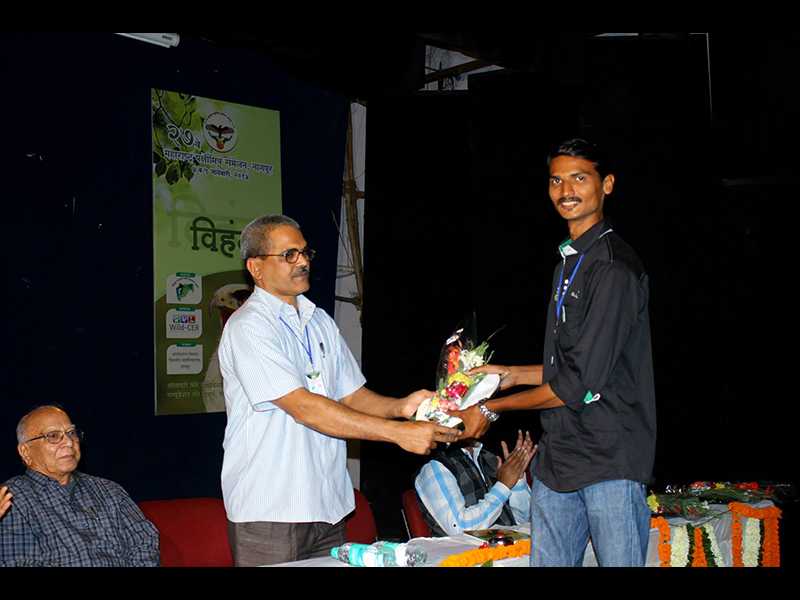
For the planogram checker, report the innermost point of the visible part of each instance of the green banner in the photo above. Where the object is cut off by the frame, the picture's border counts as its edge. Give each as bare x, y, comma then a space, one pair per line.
216, 167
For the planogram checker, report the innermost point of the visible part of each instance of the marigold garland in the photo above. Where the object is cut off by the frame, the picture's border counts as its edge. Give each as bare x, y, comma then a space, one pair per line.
771, 554
712, 547
699, 555
479, 556
680, 547
703, 551
664, 547
737, 549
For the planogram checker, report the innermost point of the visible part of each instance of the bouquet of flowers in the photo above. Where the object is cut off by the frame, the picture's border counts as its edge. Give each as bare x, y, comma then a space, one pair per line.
455, 389
694, 501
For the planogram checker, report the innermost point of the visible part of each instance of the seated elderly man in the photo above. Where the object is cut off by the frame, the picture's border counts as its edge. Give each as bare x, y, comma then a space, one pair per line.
60, 517
467, 488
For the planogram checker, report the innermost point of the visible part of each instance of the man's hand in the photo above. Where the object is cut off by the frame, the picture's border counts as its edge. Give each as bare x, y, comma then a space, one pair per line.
347, 421
410, 404
368, 402
475, 424
511, 468
513, 376
420, 437
5, 501
507, 377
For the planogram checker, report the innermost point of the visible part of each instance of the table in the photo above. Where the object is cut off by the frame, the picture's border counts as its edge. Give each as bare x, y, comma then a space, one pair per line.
440, 548
437, 548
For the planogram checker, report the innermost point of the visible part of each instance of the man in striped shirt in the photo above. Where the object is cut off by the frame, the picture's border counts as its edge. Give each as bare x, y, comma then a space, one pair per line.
467, 487
293, 394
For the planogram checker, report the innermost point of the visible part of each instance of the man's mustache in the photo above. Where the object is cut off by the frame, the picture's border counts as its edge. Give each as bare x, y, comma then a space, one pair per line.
301, 271
569, 199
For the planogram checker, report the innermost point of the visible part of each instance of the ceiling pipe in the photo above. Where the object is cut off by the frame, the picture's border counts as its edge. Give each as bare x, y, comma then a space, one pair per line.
165, 40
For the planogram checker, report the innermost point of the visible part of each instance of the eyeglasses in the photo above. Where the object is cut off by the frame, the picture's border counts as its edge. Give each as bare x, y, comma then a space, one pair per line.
55, 437
293, 255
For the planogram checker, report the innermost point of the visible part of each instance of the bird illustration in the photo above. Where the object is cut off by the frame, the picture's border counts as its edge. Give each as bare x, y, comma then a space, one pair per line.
226, 300
218, 133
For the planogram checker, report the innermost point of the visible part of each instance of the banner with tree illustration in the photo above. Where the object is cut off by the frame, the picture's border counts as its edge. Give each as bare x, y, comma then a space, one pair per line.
216, 166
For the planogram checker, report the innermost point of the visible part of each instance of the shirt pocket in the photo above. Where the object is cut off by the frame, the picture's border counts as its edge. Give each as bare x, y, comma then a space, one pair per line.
573, 315
329, 369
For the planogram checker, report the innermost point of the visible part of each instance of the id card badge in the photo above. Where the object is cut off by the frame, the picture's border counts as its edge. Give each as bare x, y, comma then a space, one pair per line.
315, 384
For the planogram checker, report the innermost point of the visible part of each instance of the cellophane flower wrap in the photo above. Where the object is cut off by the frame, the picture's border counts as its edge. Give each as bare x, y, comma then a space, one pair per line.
460, 354
694, 502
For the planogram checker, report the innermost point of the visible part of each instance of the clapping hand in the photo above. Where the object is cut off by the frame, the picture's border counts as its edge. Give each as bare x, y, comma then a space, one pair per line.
511, 468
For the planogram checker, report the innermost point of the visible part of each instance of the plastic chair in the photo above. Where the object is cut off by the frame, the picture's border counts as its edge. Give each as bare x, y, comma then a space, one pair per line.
194, 531
360, 526
412, 514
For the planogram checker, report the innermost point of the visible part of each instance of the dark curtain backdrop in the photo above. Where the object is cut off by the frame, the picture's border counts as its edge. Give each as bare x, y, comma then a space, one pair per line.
458, 218
77, 241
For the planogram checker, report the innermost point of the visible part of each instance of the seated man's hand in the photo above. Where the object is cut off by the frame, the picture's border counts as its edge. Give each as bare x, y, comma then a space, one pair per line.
511, 468
5, 501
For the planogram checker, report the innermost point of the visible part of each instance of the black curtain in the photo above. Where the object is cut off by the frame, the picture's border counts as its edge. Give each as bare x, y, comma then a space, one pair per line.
77, 205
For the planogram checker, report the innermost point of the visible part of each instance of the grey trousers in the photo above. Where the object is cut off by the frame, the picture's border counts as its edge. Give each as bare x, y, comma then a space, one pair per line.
259, 544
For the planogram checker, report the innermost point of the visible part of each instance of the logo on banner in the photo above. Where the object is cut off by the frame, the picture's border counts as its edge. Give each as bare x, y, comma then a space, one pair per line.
184, 322
220, 132
184, 288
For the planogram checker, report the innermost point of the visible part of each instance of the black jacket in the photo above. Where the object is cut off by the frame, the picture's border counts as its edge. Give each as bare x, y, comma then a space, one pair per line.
598, 360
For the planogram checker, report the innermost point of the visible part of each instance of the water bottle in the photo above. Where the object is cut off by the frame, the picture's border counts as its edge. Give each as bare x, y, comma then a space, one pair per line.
405, 555
364, 555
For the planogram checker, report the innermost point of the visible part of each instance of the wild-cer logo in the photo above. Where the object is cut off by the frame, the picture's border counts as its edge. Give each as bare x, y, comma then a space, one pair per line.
220, 132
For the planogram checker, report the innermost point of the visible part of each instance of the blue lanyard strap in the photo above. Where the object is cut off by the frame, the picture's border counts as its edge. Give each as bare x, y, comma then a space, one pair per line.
308, 341
561, 295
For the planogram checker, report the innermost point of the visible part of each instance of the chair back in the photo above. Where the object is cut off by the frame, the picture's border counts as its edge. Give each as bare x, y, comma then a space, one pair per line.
193, 532
360, 526
414, 520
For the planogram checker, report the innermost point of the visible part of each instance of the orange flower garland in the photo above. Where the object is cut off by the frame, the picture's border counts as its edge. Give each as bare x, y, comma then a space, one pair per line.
664, 547
699, 556
736, 537
771, 553
479, 556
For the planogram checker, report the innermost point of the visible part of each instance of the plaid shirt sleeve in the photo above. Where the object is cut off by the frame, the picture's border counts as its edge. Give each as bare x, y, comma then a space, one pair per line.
439, 491
139, 537
18, 546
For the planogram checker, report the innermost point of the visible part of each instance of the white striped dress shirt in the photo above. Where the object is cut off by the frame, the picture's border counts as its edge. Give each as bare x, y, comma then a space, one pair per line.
275, 469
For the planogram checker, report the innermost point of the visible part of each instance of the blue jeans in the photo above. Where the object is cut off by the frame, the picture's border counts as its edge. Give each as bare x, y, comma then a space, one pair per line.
614, 514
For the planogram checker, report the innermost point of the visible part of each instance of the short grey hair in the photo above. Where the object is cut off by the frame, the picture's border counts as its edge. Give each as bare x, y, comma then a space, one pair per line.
22, 433
255, 237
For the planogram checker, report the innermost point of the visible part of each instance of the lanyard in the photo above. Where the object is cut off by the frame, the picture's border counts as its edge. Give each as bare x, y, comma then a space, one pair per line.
561, 295
308, 341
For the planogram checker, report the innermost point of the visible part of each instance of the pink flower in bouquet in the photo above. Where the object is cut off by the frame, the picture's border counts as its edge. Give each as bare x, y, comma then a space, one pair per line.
457, 390
445, 404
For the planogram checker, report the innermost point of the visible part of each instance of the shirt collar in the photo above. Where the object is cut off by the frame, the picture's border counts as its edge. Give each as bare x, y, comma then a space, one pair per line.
586, 241
43, 479
476, 451
279, 308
